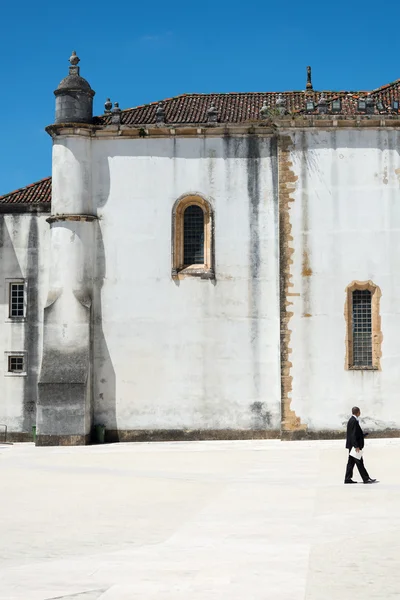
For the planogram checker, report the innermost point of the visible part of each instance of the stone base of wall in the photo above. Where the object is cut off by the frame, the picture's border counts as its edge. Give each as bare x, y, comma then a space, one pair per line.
16, 436
334, 434
63, 440
175, 435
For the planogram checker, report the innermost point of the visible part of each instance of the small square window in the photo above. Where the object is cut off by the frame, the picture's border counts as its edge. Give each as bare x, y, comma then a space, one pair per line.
16, 364
17, 300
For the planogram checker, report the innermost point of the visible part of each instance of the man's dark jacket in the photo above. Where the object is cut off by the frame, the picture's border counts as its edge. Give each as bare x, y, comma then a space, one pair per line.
355, 435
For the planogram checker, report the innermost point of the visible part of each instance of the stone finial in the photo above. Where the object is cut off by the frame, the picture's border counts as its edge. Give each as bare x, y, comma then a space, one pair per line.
107, 105
361, 104
160, 113
370, 105
116, 114
264, 110
212, 114
309, 85
74, 59
322, 105
281, 104
380, 106
310, 105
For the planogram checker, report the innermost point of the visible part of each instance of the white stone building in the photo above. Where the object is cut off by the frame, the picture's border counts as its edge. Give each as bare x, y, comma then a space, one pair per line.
210, 266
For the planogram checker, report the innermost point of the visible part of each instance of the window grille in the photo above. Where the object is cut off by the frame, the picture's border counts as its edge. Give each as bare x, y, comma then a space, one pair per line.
17, 299
16, 364
193, 235
362, 329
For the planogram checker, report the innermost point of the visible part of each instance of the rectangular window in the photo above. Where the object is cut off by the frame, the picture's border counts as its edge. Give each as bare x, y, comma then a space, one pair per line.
16, 364
17, 300
362, 328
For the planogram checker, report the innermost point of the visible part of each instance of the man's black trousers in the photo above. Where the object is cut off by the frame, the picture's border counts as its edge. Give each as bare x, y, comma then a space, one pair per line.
360, 466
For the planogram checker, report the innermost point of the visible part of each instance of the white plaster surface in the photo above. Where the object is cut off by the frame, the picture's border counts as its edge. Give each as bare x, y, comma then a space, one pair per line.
193, 354
345, 222
196, 520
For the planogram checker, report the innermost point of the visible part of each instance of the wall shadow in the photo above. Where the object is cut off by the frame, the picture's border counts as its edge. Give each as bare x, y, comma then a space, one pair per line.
32, 337
103, 373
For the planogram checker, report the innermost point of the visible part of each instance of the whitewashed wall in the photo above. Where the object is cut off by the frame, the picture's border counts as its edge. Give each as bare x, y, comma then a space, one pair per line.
192, 354
23, 255
346, 219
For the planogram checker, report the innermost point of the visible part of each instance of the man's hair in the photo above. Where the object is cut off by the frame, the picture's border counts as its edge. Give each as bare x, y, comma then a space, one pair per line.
355, 410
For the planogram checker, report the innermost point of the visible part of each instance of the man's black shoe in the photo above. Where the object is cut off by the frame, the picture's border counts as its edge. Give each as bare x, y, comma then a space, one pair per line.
371, 481
350, 481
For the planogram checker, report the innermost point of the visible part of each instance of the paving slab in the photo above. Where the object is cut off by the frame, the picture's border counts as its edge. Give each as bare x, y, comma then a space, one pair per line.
259, 519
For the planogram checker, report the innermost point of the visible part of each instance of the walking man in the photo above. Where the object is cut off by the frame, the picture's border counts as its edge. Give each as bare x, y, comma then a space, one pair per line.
355, 439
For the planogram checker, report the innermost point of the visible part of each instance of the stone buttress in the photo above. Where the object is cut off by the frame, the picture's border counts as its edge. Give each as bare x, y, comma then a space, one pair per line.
64, 412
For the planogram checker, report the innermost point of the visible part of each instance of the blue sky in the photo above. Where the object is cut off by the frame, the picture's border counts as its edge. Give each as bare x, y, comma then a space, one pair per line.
138, 52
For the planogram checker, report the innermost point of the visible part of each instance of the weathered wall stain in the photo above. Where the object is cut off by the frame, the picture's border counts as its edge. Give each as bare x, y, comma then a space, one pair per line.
287, 183
31, 331
308, 162
306, 270
253, 190
261, 415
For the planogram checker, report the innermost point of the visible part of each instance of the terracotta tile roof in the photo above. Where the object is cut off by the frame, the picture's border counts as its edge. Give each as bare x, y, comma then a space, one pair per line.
33, 194
232, 107
243, 107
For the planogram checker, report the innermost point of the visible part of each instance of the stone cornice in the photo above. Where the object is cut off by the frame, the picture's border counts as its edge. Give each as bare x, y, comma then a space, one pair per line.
258, 128
55, 218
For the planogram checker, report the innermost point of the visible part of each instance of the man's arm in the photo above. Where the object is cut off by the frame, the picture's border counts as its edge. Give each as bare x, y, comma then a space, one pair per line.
355, 442
359, 435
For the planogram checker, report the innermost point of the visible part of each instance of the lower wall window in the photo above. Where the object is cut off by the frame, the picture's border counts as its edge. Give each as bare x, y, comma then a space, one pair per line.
363, 340
16, 299
15, 363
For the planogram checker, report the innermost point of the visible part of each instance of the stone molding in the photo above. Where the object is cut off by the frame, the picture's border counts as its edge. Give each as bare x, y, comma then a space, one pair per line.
287, 180
55, 218
377, 336
170, 435
261, 128
179, 270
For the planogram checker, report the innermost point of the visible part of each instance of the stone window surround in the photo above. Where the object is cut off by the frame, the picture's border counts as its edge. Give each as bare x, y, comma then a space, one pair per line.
376, 325
7, 301
179, 270
7, 356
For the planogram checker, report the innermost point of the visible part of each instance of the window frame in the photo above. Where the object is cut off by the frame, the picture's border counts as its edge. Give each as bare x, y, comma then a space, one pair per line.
376, 334
191, 231
10, 355
9, 283
179, 269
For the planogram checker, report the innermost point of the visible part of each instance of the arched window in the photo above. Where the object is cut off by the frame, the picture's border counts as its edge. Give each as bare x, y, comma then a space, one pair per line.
192, 235
363, 326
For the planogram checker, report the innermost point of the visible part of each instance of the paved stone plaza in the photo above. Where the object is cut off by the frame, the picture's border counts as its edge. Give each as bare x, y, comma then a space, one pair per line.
198, 520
